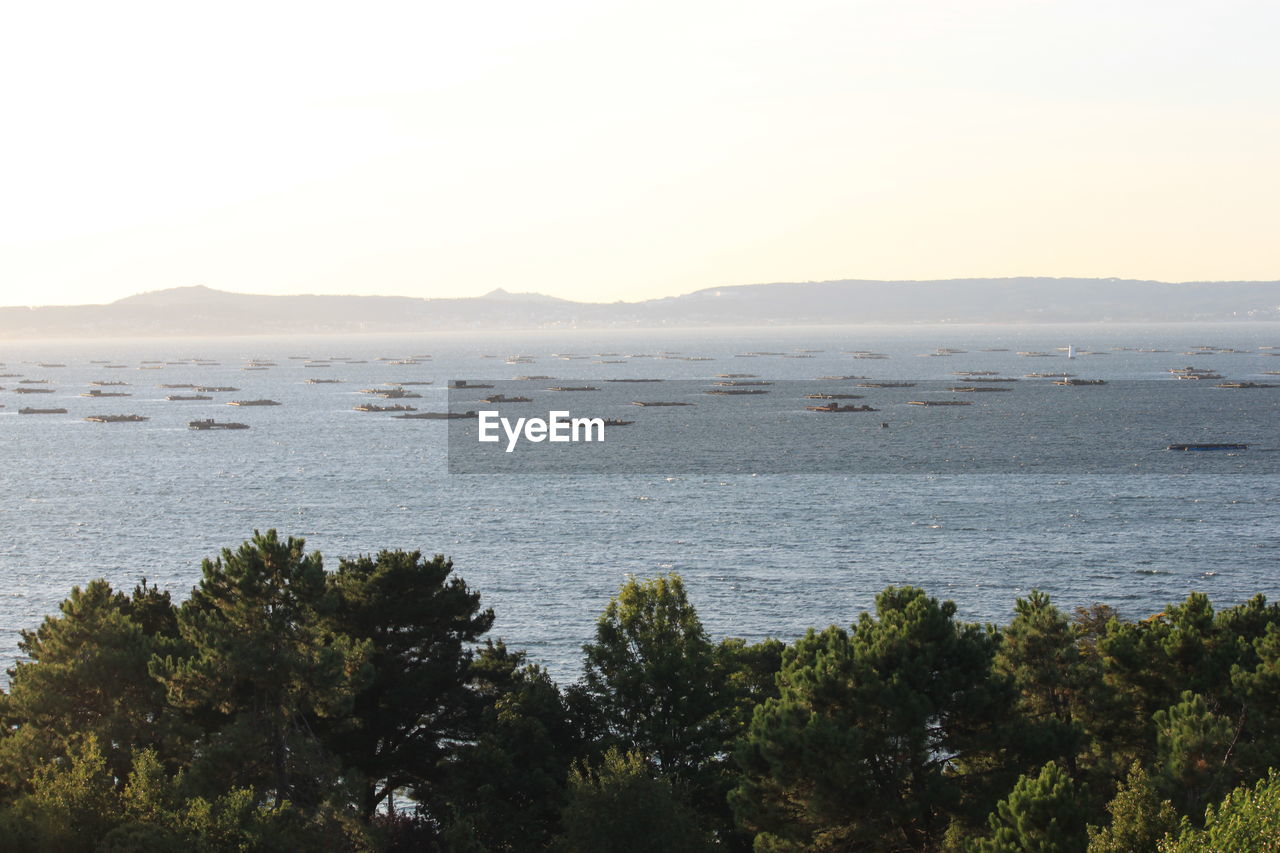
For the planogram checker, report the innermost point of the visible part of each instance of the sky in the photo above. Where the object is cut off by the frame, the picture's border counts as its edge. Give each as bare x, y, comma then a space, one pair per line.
617, 150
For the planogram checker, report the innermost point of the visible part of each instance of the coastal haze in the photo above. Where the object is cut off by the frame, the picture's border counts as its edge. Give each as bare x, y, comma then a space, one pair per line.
203, 311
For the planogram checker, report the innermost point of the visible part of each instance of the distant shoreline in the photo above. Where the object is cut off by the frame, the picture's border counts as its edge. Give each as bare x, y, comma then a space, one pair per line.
204, 312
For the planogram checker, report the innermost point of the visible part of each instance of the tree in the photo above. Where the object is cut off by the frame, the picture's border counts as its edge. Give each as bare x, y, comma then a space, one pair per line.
652, 671
1139, 818
1043, 814
261, 666
87, 677
416, 621
1193, 747
505, 790
864, 742
1248, 819
1055, 683
621, 807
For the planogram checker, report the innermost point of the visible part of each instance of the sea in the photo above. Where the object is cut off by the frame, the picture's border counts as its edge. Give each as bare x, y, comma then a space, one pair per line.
777, 517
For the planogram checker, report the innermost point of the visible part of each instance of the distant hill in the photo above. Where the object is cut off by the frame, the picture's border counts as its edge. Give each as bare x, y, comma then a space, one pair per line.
203, 311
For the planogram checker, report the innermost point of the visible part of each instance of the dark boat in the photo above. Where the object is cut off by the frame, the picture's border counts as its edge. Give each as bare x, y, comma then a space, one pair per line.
1207, 447
210, 423
30, 411
436, 416
836, 407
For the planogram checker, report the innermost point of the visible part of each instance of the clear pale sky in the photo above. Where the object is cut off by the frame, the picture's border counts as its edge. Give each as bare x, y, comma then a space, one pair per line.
625, 150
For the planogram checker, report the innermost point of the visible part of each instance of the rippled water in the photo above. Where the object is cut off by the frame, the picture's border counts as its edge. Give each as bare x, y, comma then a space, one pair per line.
764, 554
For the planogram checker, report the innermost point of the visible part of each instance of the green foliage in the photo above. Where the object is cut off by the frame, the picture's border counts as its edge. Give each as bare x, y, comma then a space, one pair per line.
652, 672
1247, 821
76, 807
1043, 814
1149, 664
1055, 682
415, 622
1192, 747
623, 807
506, 789
1139, 818
283, 707
261, 663
749, 675
861, 745
87, 677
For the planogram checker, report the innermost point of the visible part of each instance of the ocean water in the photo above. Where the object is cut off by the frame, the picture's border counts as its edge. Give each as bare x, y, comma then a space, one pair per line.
778, 519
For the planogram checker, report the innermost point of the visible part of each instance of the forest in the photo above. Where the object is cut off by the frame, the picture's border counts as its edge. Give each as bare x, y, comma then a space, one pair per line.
284, 705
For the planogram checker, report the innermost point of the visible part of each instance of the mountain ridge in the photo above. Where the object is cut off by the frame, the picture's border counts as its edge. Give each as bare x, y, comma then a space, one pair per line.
205, 311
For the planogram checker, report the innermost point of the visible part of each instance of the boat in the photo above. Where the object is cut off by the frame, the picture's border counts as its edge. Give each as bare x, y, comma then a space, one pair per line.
502, 398
95, 392
836, 407
741, 383
212, 389
737, 391
103, 383
464, 385
397, 394
210, 423
886, 385
1080, 382
570, 388
656, 403
254, 403
633, 380
616, 422
833, 396
973, 389
436, 416
173, 398
1207, 447
30, 411
371, 407
928, 403
1244, 385
33, 390
116, 419
323, 381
